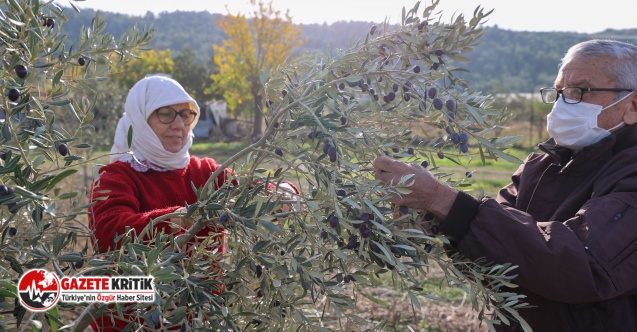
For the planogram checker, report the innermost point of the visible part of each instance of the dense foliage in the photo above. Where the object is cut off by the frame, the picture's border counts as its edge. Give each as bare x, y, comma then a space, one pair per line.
49, 87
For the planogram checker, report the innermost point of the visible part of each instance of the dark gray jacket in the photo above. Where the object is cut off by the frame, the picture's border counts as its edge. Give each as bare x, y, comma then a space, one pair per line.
570, 223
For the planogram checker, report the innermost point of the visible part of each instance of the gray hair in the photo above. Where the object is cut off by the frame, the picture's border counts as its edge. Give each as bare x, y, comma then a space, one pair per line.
624, 66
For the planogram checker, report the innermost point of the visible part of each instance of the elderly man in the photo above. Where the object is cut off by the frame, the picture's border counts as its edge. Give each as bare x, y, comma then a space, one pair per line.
569, 217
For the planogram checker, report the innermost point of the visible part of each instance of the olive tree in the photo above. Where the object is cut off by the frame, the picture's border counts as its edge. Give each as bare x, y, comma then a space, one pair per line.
45, 78
328, 117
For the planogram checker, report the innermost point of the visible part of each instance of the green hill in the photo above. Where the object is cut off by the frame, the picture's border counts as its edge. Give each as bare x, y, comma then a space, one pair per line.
508, 61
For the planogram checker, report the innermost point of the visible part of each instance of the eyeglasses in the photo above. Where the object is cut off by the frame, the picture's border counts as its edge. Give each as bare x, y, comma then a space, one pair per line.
167, 115
572, 94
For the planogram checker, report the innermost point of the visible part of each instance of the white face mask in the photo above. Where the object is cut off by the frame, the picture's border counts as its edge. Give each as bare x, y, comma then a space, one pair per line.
575, 125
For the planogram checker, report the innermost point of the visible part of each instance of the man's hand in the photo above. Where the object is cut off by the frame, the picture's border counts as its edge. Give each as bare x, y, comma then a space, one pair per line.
427, 193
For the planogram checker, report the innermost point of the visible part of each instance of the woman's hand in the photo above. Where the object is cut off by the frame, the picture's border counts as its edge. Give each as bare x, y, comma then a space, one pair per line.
181, 223
425, 193
287, 193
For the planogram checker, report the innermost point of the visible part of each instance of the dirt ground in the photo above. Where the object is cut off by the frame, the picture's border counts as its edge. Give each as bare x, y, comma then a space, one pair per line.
432, 316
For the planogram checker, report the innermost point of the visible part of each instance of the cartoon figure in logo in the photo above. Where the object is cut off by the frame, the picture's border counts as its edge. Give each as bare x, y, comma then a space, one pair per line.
39, 290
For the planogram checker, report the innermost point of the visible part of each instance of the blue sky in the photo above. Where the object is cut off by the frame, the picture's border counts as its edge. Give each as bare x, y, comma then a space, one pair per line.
520, 15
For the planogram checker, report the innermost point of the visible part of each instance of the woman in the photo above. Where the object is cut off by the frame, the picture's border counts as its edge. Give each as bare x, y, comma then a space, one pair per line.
157, 178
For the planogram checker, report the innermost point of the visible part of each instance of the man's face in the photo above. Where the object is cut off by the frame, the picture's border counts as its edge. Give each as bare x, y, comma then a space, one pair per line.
592, 73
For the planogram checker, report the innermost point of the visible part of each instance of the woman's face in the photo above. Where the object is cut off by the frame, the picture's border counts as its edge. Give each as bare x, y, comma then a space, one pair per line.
172, 134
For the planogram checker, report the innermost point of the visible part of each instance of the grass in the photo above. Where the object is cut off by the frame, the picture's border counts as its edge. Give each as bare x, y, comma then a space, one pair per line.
435, 286
219, 151
488, 177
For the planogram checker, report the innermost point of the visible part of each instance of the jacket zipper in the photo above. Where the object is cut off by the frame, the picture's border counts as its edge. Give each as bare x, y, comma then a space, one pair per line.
603, 231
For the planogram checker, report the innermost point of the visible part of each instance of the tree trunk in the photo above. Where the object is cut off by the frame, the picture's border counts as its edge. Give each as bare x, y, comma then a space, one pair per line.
257, 128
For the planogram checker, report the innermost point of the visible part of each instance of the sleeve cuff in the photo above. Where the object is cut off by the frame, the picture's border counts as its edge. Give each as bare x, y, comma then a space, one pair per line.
462, 213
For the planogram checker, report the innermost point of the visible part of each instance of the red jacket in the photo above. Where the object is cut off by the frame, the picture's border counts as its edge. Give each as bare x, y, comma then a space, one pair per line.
569, 221
135, 198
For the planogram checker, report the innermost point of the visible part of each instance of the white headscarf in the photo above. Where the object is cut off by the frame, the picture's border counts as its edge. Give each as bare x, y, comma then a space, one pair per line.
143, 99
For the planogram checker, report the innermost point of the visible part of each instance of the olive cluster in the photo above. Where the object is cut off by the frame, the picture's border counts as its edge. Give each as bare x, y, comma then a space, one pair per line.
6, 195
258, 270
365, 227
439, 104
367, 238
377, 85
373, 83
362, 223
21, 72
344, 278
48, 22
8, 198
461, 140
406, 89
330, 150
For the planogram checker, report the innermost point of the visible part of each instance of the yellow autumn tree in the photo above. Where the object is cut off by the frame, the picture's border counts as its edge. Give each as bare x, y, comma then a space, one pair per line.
148, 62
253, 45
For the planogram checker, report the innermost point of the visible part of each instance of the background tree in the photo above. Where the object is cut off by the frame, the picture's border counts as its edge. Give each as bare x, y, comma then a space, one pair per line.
250, 49
147, 63
193, 75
